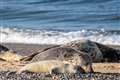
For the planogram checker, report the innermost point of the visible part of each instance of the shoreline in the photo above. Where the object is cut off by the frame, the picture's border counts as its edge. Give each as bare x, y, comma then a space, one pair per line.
27, 49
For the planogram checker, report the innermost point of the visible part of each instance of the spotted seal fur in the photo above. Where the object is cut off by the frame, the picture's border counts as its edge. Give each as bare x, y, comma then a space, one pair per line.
87, 46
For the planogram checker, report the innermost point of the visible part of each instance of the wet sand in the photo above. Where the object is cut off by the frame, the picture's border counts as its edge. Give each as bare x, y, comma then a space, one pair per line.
27, 49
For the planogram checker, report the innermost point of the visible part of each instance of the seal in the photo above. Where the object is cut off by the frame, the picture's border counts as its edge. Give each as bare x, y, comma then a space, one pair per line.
109, 54
98, 52
49, 66
88, 47
76, 57
85, 46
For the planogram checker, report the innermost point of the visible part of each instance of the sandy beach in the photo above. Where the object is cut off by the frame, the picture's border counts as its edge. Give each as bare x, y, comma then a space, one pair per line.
83, 33
105, 71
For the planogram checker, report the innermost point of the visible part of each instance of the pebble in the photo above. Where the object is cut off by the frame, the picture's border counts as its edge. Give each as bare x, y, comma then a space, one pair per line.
7, 75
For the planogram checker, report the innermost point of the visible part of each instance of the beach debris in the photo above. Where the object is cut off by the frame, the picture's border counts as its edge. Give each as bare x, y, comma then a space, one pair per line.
10, 56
